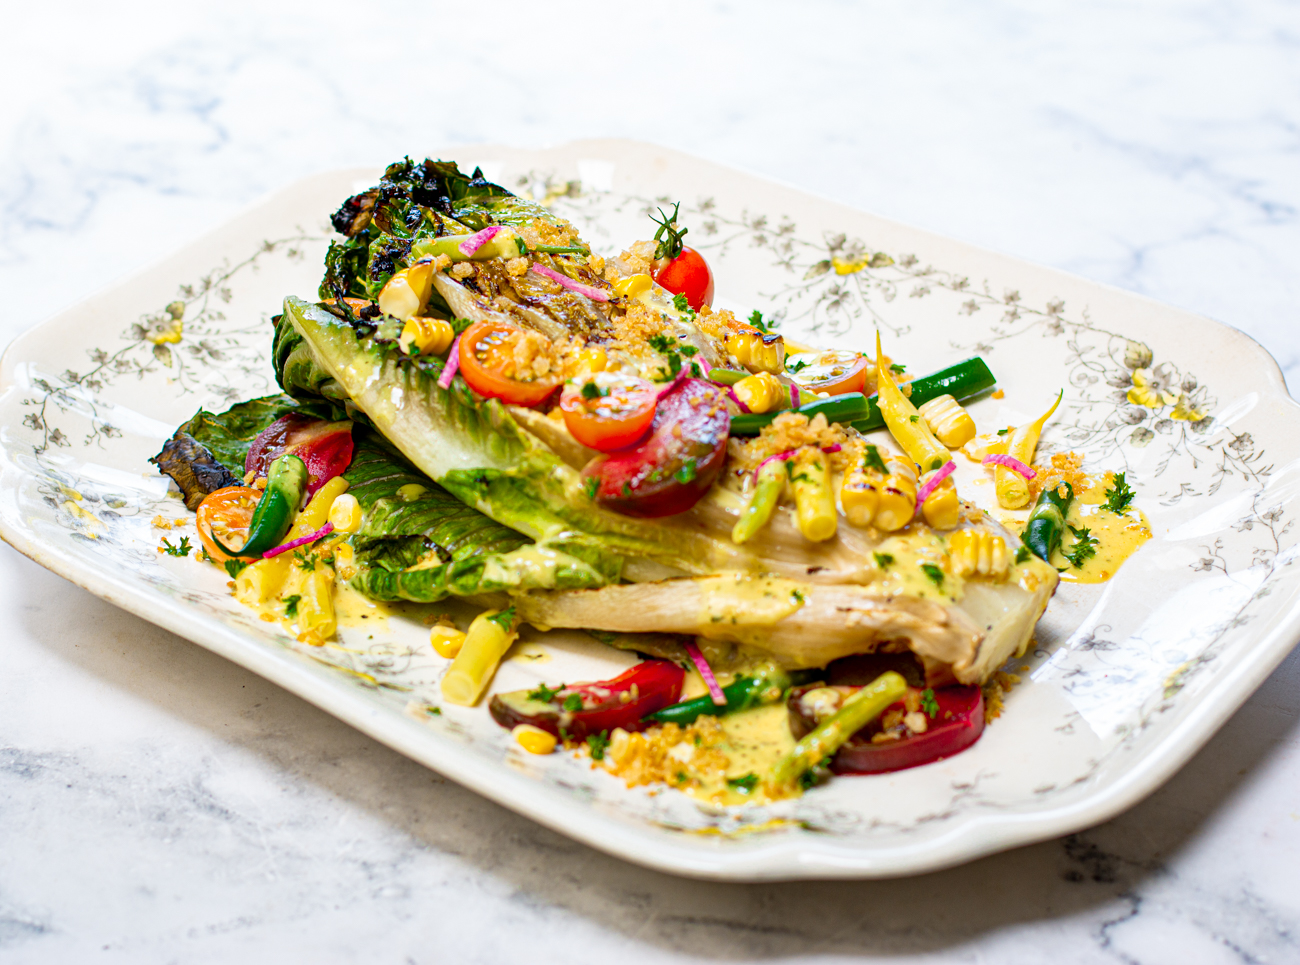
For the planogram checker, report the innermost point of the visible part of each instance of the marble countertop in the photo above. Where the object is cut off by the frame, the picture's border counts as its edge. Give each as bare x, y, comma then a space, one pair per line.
158, 804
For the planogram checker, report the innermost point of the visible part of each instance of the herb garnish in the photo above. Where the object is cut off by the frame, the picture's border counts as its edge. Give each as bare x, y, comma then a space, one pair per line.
871, 460
1084, 549
590, 391
929, 704
898, 368
1119, 495
544, 693
934, 573
745, 784
597, 744
235, 567
291, 605
180, 549
591, 484
1023, 554
883, 560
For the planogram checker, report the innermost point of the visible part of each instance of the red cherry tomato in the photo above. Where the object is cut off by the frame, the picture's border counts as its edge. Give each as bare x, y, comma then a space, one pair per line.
834, 372
675, 466
649, 686
324, 447
609, 412
487, 363
688, 274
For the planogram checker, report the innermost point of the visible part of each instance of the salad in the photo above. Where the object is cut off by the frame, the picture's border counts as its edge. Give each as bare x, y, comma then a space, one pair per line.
479, 406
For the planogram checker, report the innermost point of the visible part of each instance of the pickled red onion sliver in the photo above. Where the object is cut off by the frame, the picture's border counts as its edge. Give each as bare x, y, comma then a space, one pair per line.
294, 544
477, 240
933, 482
595, 294
710, 681
1010, 462
453, 363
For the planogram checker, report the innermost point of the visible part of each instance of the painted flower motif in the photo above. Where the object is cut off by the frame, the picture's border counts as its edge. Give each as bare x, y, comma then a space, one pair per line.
1152, 387
1141, 437
1185, 410
1137, 355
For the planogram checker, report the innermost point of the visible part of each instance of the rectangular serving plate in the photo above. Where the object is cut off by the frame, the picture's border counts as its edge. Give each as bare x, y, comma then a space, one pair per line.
1125, 682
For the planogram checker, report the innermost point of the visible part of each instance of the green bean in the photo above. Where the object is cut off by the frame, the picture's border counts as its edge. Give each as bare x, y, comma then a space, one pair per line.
743, 693
1046, 521
828, 736
726, 376
839, 408
285, 482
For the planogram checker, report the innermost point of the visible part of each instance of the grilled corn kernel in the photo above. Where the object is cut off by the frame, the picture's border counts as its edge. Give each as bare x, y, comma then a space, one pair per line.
756, 351
860, 496
897, 495
408, 290
432, 336
978, 553
533, 739
593, 359
446, 641
345, 513
948, 421
633, 285
763, 392
942, 508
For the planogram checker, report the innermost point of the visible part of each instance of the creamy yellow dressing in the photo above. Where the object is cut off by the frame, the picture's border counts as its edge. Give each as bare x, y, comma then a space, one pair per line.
1118, 537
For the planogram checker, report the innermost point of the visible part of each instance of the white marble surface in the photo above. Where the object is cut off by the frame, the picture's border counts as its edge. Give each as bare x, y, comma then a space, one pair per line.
160, 805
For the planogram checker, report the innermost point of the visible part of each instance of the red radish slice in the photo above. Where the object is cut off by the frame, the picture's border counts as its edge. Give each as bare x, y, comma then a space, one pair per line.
595, 294
477, 240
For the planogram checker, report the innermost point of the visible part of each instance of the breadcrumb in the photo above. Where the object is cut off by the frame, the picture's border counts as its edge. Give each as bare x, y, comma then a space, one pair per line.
462, 269
669, 754
787, 431
517, 266
995, 688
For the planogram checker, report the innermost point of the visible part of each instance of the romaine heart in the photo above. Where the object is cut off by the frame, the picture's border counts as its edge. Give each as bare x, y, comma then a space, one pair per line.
325, 447
958, 724
621, 702
676, 464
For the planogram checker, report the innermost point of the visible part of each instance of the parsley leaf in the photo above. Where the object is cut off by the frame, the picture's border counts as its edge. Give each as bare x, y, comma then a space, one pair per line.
544, 693
572, 703
597, 744
913, 418
686, 473
1084, 548
934, 573
505, 619
929, 704
798, 365
871, 460
745, 784
660, 343
590, 391
883, 560
291, 605
591, 484
756, 319
898, 368
305, 563
235, 567
1119, 495
1003, 432
180, 549
681, 304
1022, 554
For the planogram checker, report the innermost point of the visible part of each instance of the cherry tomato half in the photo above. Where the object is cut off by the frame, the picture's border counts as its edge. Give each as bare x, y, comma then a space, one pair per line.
610, 412
226, 513
834, 372
488, 353
688, 274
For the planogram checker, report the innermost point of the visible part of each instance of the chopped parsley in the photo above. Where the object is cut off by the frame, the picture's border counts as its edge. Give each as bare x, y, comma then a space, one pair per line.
235, 567
180, 549
756, 319
681, 304
688, 350
505, 619
591, 391
661, 343
745, 784
898, 368
934, 573
929, 704
798, 365
597, 744
797, 596
572, 703
681, 777
591, 484
686, 473
544, 693
1084, 548
627, 490
871, 460
883, 560
291, 605
305, 563
913, 418
1003, 432
1119, 495
1022, 554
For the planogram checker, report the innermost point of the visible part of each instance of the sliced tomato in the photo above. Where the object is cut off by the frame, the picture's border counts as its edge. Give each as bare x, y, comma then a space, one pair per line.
622, 702
325, 447
688, 274
488, 354
226, 513
610, 411
956, 724
676, 464
833, 372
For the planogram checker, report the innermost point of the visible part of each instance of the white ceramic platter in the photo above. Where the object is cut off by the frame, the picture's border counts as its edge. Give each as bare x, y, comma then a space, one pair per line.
1128, 679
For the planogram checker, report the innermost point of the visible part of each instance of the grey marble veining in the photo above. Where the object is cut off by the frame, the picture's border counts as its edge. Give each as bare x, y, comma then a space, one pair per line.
158, 804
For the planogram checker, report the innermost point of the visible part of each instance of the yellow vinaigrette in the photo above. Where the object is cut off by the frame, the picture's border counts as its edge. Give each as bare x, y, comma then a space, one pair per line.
1118, 537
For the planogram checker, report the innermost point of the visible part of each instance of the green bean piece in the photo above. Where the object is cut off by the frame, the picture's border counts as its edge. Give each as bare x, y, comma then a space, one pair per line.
850, 407
762, 502
830, 735
726, 376
1046, 521
285, 482
744, 693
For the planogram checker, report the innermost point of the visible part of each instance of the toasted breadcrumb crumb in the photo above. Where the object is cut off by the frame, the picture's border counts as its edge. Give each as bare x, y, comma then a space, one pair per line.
517, 266
539, 232
787, 431
1065, 467
636, 260
442, 263
995, 689
462, 269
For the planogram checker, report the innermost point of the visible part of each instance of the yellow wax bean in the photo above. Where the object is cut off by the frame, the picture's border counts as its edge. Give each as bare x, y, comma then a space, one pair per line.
1011, 487
316, 608
905, 423
814, 500
487, 641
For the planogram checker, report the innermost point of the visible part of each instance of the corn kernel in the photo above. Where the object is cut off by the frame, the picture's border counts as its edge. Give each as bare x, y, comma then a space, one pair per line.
978, 553
408, 290
446, 641
593, 359
533, 739
942, 508
633, 285
763, 392
432, 336
345, 513
859, 498
756, 351
950, 423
